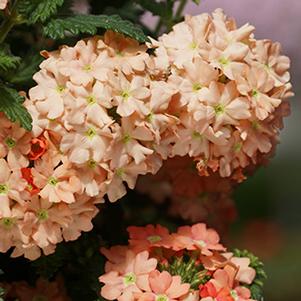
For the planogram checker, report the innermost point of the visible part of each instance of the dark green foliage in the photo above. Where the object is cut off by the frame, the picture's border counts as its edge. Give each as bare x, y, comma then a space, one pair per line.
188, 269
39, 10
88, 24
11, 104
7, 60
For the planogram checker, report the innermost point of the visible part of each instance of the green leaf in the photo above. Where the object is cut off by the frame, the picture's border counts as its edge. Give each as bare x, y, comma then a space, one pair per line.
28, 67
196, 1
7, 60
57, 28
11, 104
39, 10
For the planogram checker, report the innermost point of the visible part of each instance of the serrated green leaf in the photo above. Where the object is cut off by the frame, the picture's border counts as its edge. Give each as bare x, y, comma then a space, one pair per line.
58, 28
7, 60
11, 104
28, 67
39, 10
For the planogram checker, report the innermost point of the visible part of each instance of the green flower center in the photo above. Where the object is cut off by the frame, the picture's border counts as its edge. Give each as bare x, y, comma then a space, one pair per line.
52, 181
223, 61
255, 125
196, 87
154, 238
126, 138
162, 298
237, 147
201, 243
119, 53
10, 142
87, 68
149, 117
125, 95
234, 295
3, 189
42, 215
91, 133
255, 93
193, 46
91, 100
119, 172
92, 163
219, 109
8, 222
60, 89
129, 279
197, 135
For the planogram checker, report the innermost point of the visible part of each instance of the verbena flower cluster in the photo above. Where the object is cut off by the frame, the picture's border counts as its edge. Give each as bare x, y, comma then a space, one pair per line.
43, 290
108, 110
189, 265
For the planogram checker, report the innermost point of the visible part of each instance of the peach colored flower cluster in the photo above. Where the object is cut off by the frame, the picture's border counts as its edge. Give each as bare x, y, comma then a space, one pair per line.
41, 197
231, 89
189, 265
43, 290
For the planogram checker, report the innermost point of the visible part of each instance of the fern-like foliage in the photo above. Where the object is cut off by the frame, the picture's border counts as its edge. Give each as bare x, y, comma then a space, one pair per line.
39, 10
89, 24
11, 103
7, 60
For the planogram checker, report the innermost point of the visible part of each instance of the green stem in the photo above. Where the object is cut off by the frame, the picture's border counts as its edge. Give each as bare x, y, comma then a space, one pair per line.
158, 27
9, 22
180, 9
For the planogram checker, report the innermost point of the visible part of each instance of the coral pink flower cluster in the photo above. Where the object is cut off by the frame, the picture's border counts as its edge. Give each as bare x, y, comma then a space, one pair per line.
189, 265
43, 290
107, 110
191, 197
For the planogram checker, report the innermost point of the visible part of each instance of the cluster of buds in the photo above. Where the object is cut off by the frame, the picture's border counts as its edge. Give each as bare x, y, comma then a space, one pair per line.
189, 265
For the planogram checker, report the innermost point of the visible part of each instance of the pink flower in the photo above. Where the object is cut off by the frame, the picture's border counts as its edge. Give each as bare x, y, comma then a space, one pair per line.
163, 287
125, 54
15, 144
12, 187
209, 292
82, 212
44, 221
134, 276
57, 184
198, 237
49, 94
226, 104
86, 64
144, 238
257, 86
129, 95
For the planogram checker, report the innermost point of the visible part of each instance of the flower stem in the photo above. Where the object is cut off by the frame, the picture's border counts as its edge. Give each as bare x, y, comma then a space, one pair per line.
9, 22
180, 9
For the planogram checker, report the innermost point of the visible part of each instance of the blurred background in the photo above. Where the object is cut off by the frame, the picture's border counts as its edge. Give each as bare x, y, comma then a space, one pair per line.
269, 203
